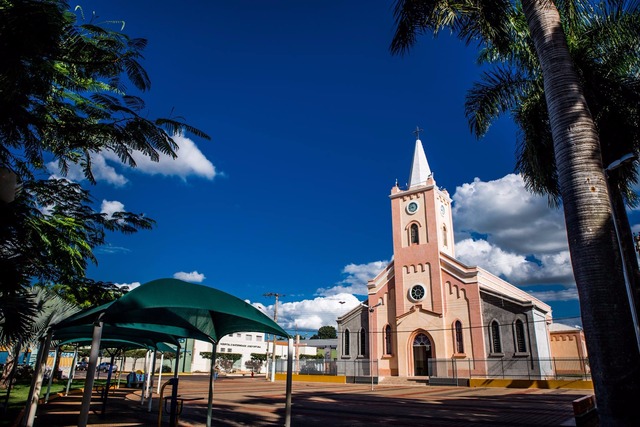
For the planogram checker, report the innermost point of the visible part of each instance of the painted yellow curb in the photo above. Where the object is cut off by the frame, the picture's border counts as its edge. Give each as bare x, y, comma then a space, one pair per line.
544, 384
314, 378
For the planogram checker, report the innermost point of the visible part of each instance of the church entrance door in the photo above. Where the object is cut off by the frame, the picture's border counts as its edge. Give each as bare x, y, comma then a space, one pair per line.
421, 355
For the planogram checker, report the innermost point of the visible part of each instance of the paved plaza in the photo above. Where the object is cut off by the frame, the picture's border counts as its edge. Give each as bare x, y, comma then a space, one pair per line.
244, 401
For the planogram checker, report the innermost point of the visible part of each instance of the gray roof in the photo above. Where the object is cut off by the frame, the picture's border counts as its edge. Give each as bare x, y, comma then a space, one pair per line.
558, 327
332, 342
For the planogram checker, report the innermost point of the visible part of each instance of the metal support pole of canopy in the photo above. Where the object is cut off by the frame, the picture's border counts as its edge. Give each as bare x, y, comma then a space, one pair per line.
160, 371
287, 417
107, 386
173, 416
145, 375
12, 374
36, 384
72, 370
150, 383
212, 374
55, 359
91, 373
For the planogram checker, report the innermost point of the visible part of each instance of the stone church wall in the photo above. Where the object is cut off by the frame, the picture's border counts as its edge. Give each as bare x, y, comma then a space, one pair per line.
509, 362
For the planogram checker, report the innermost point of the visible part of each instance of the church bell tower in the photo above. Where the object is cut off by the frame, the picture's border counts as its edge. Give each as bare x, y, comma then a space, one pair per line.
422, 229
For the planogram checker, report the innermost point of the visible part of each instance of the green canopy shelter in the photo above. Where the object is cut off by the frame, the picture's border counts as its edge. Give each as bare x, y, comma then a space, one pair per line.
168, 309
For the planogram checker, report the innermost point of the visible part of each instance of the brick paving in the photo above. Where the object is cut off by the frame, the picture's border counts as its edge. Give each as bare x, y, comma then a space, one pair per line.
243, 401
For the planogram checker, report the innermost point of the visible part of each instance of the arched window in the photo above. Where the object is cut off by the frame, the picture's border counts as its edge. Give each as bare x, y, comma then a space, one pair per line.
345, 348
363, 342
444, 235
414, 234
422, 340
459, 343
387, 340
496, 345
521, 344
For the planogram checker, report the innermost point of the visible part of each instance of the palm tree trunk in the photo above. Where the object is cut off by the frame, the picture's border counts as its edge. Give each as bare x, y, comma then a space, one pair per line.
613, 354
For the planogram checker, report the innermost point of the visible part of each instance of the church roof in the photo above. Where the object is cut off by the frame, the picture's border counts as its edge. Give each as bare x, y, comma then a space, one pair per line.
559, 327
420, 170
489, 282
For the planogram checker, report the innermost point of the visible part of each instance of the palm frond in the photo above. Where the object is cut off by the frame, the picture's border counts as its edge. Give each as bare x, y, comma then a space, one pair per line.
498, 91
179, 127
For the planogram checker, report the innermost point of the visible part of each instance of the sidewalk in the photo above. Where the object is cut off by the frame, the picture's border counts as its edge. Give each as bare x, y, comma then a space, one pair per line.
257, 402
123, 409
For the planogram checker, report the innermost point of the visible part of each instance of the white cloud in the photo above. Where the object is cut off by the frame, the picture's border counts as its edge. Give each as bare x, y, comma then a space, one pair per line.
357, 277
111, 207
101, 171
548, 268
569, 294
512, 218
331, 303
131, 285
525, 240
109, 249
311, 314
190, 162
193, 277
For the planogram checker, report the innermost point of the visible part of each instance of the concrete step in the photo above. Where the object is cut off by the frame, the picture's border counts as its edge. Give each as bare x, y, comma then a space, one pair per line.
408, 381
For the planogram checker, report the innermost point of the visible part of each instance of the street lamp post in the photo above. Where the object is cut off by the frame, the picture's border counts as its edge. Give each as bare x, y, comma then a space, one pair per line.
275, 319
625, 273
371, 310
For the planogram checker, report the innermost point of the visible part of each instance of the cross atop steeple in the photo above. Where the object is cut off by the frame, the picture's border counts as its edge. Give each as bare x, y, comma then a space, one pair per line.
417, 132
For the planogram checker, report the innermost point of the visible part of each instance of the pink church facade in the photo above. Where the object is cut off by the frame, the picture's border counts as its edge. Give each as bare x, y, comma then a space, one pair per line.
426, 306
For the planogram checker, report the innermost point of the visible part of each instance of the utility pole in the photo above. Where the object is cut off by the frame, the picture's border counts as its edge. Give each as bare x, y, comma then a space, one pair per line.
275, 319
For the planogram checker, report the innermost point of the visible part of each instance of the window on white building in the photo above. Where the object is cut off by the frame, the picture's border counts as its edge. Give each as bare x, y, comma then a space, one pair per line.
459, 340
249, 337
363, 342
496, 343
258, 337
521, 344
345, 347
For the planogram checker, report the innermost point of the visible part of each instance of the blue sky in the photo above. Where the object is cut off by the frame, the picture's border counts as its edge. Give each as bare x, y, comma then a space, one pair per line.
311, 120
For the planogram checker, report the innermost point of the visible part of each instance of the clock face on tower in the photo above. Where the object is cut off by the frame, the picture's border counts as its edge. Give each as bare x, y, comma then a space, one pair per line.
412, 207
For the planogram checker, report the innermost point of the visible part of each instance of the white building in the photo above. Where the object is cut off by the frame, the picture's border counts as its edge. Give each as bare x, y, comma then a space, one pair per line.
243, 343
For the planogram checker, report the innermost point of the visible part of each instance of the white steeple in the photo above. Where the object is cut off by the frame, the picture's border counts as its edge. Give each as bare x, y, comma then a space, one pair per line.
420, 170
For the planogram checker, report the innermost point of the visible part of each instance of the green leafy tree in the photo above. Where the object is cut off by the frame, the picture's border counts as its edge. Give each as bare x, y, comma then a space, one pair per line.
135, 355
325, 332
311, 357
64, 86
87, 293
65, 97
226, 360
47, 236
48, 309
261, 357
256, 362
581, 179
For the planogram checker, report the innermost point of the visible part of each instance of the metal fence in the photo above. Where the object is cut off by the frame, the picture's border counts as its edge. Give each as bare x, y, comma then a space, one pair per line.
499, 368
350, 368
511, 368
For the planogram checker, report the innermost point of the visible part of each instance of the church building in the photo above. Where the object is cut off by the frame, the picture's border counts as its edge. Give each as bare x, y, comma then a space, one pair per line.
427, 311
